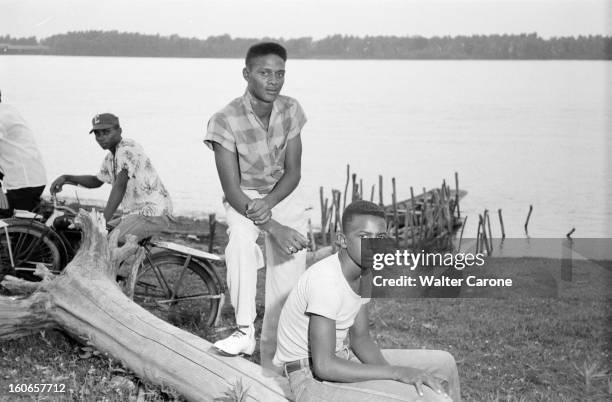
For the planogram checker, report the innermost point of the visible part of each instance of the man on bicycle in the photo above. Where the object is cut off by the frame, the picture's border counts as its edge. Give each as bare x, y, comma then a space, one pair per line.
257, 146
135, 184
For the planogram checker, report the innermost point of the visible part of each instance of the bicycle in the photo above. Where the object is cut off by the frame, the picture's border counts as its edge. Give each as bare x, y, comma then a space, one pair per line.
176, 283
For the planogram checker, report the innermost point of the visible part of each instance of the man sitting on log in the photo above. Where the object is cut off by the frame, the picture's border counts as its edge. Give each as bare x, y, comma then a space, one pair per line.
135, 183
325, 306
257, 146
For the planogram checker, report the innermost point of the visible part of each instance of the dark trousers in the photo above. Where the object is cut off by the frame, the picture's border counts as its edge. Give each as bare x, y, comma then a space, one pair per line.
26, 198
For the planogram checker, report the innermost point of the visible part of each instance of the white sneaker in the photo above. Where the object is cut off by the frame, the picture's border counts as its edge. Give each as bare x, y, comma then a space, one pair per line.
242, 341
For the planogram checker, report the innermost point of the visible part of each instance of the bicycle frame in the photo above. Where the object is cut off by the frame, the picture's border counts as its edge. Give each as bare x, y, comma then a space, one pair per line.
190, 254
61, 236
32, 224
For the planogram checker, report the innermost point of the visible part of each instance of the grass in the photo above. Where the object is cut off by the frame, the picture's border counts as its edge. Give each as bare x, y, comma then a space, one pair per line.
525, 348
514, 348
53, 358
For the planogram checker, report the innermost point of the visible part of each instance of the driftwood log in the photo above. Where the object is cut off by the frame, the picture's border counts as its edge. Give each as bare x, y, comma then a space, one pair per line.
86, 301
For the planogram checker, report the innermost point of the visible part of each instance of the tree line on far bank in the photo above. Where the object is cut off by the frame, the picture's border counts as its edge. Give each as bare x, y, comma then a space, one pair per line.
522, 46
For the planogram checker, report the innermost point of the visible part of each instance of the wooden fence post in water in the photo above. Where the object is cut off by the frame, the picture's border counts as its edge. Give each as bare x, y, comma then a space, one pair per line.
501, 222
338, 223
395, 217
457, 194
415, 221
483, 233
443, 189
488, 219
461, 235
528, 216
380, 190
407, 224
478, 235
313, 243
335, 214
323, 217
447, 213
330, 218
348, 175
424, 220
212, 225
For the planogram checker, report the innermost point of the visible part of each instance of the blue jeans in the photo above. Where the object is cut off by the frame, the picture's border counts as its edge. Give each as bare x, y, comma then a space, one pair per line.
306, 388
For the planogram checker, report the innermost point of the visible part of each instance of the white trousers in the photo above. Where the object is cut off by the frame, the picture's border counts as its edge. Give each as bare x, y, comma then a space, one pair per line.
244, 257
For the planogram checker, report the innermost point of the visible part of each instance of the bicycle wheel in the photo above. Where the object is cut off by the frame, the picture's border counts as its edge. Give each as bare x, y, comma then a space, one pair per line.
27, 245
178, 289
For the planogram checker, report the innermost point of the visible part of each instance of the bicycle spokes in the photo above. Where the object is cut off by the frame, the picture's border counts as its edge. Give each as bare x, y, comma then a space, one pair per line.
177, 289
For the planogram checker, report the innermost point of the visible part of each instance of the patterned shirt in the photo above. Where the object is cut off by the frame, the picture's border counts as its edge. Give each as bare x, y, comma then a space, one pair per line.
145, 193
261, 153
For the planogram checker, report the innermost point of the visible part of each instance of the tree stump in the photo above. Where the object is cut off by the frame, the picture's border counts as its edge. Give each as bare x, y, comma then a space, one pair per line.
86, 301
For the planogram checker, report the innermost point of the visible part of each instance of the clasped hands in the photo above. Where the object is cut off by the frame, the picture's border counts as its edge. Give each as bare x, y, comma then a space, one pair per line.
258, 211
289, 240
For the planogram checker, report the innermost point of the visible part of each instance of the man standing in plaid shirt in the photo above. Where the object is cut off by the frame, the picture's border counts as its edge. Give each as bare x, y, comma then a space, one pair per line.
258, 150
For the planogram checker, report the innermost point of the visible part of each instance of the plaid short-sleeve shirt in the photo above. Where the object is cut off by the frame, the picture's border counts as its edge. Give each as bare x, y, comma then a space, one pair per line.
261, 153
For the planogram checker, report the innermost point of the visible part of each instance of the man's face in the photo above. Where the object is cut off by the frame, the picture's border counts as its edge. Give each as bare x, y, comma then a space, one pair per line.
265, 76
362, 227
108, 138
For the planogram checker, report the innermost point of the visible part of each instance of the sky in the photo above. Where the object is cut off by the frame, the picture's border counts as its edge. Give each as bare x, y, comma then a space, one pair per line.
314, 18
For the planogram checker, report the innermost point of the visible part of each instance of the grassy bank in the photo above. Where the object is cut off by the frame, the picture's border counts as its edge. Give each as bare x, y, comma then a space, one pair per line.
512, 348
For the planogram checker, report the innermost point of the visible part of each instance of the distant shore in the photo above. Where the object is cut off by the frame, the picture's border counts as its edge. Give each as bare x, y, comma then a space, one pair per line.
526, 46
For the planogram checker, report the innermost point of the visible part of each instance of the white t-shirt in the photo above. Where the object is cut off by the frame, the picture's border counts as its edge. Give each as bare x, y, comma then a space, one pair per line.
20, 159
321, 290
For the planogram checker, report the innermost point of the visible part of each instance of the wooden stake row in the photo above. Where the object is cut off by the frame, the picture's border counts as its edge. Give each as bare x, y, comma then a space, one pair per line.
419, 222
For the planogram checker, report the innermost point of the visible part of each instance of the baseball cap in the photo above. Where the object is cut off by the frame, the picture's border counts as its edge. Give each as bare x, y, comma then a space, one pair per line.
104, 120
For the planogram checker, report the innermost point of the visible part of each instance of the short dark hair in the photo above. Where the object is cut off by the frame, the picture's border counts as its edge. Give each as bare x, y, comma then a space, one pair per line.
360, 207
264, 49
